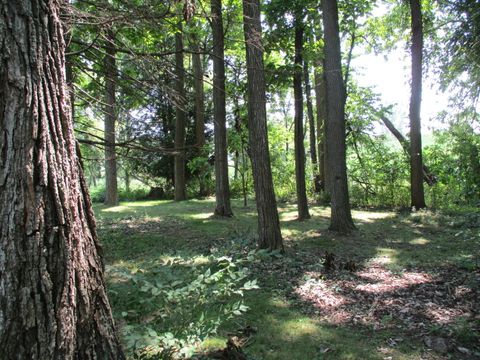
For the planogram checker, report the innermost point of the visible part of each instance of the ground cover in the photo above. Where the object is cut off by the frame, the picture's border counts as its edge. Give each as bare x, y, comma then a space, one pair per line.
404, 286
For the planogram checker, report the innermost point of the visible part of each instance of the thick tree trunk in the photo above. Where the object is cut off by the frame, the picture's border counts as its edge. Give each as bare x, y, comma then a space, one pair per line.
222, 189
269, 235
110, 68
53, 303
320, 102
302, 202
199, 110
179, 161
416, 170
341, 218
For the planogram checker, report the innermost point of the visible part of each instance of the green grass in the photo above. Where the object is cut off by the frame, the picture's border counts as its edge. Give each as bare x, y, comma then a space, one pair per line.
166, 240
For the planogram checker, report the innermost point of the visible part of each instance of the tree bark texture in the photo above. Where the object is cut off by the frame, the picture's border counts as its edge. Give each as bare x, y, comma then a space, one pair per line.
110, 69
53, 302
320, 102
222, 189
341, 218
269, 235
302, 202
416, 170
179, 161
199, 109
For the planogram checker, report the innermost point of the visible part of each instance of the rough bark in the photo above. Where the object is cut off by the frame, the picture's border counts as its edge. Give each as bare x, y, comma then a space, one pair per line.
199, 109
320, 102
222, 189
341, 218
416, 171
428, 177
302, 202
53, 303
110, 68
179, 161
269, 235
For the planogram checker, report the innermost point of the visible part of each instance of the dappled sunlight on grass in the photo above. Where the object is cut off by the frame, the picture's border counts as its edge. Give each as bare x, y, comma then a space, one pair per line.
116, 209
419, 241
371, 216
385, 256
289, 215
302, 310
298, 327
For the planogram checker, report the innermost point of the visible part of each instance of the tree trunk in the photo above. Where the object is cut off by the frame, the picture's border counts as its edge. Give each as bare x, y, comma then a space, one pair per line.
179, 161
199, 110
111, 187
341, 218
311, 126
320, 102
269, 235
428, 177
416, 170
302, 202
222, 189
53, 302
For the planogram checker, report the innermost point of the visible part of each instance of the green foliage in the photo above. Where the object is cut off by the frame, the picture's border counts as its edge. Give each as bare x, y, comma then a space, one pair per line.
168, 310
455, 159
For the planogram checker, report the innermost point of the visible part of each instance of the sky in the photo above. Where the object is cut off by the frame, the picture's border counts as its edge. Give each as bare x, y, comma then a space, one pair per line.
389, 76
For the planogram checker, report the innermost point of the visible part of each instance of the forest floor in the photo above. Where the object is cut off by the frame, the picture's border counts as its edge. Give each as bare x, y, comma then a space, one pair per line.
403, 286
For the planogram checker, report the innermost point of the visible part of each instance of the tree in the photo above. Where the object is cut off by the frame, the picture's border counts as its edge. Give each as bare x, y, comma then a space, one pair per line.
222, 189
341, 218
416, 162
179, 161
53, 303
110, 68
199, 108
302, 202
320, 104
269, 235
311, 125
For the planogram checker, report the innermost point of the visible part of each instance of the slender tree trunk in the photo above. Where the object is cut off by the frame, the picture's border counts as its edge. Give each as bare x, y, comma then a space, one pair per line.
179, 161
111, 187
311, 118
199, 109
416, 170
320, 101
222, 188
428, 177
302, 202
53, 303
341, 218
269, 233
312, 125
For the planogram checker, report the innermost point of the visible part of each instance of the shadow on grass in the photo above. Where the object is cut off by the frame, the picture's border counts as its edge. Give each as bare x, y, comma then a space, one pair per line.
290, 312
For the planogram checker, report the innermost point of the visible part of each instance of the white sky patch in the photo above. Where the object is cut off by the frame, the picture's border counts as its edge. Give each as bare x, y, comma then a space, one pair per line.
390, 77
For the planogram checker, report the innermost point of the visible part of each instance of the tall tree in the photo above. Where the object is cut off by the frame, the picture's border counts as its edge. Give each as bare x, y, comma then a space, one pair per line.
222, 189
320, 104
199, 108
302, 202
341, 218
269, 235
311, 125
416, 162
110, 68
180, 120
53, 303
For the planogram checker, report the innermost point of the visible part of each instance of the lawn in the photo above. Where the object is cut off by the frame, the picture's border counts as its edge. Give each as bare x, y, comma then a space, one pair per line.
403, 286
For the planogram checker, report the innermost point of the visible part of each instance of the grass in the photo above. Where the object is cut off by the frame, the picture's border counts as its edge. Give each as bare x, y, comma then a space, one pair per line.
165, 240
